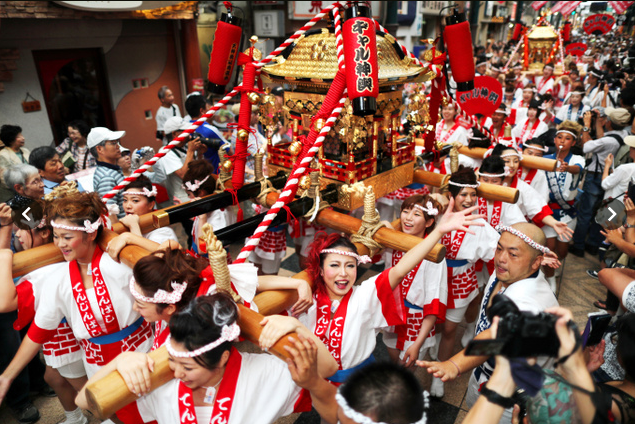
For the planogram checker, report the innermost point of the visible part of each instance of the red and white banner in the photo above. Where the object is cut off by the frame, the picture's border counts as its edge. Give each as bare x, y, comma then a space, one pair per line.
537, 5
569, 7
556, 7
576, 49
619, 6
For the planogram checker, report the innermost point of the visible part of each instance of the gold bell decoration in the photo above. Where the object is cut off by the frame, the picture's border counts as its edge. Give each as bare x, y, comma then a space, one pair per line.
319, 124
228, 166
257, 54
243, 134
305, 182
295, 148
254, 98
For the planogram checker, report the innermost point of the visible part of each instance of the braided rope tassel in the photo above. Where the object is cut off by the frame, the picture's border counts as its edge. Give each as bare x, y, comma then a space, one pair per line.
291, 185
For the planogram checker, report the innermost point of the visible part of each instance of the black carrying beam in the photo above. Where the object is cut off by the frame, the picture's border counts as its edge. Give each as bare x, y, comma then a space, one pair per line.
299, 207
182, 212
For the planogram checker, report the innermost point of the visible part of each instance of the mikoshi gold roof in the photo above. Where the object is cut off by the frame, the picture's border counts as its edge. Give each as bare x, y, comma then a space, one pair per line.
541, 33
313, 59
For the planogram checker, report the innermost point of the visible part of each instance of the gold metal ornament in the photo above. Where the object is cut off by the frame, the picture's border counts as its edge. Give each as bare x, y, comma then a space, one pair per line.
254, 98
295, 148
228, 166
243, 135
319, 124
305, 182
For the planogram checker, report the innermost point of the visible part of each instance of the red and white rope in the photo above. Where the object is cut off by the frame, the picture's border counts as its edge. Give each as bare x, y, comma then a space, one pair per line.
291, 186
339, 41
506, 67
165, 149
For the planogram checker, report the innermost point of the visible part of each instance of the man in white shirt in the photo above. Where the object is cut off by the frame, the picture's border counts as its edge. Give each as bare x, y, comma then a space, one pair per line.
166, 111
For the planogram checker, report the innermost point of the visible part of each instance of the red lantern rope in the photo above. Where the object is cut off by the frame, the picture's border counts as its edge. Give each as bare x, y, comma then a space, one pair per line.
165, 149
244, 119
337, 89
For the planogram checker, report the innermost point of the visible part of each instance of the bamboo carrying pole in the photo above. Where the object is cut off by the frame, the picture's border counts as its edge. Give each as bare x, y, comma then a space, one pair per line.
109, 394
533, 162
485, 190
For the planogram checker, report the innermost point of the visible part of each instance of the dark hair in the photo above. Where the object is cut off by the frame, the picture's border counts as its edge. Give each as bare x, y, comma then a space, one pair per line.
463, 175
161, 92
140, 183
536, 141
194, 104
40, 155
80, 126
77, 207
198, 170
386, 392
201, 322
500, 148
422, 200
478, 139
315, 260
626, 344
492, 165
8, 134
163, 267
534, 104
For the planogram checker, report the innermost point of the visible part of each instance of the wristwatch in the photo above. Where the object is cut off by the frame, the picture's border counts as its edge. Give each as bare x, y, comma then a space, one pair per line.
629, 225
586, 129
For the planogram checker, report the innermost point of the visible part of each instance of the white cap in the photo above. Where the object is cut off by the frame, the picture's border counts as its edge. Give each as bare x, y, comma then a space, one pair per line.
175, 123
618, 116
630, 140
123, 149
100, 134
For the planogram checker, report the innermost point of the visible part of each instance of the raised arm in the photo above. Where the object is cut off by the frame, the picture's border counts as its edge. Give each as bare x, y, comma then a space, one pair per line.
118, 243
449, 222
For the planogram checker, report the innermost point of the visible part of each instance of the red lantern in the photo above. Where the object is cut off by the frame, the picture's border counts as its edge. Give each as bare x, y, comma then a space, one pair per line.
458, 38
566, 32
518, 28
360, 54
224, 52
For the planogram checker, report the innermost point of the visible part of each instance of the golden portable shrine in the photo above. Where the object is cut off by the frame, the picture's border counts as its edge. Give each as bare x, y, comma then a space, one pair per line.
357, 148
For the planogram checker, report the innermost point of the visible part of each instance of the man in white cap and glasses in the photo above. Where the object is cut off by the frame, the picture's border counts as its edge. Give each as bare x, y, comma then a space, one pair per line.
104, 145
610, 129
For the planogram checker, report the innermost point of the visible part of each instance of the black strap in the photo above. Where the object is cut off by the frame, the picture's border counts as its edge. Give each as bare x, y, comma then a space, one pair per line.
497, 399
173, 110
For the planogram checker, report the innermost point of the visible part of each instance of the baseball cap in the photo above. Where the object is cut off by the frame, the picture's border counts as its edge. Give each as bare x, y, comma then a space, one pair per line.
123, 149
630, 140
618, 116
100, 134
175, 123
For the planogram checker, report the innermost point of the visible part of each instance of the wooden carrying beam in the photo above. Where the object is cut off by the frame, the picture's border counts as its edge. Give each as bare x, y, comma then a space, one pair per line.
533, 162
109, 394
488, 191
32, 259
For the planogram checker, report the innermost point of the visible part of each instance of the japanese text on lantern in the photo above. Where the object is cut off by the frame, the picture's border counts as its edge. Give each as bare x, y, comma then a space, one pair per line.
230, 61
363, 67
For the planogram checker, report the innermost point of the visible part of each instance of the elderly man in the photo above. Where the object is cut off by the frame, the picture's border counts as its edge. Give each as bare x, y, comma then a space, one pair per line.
519, 255
104, 145
51, 168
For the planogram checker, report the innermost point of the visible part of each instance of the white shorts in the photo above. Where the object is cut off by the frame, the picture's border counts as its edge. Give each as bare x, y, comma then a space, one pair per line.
628, 297
72, 370
268, 266
456, 315
551, 233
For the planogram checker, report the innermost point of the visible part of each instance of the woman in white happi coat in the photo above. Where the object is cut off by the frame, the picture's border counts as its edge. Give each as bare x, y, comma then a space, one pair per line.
531, 126
90, 293
64, 367
535, 177
464, 251
424, 289
575, 108
530, 202
199, 182
347, 317
214, 382
139, 198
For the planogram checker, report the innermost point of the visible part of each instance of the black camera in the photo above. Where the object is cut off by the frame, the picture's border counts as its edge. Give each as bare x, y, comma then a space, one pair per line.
211, 143
520, 334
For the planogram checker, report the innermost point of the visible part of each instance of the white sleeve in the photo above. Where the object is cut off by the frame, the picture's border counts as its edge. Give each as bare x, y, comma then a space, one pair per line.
533, 202
487, 242
511, 214
170, 163
162, 234
539, 183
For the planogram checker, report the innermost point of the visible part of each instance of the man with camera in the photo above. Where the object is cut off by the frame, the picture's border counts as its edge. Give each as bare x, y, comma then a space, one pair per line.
208, 135
610, 131
519, 256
